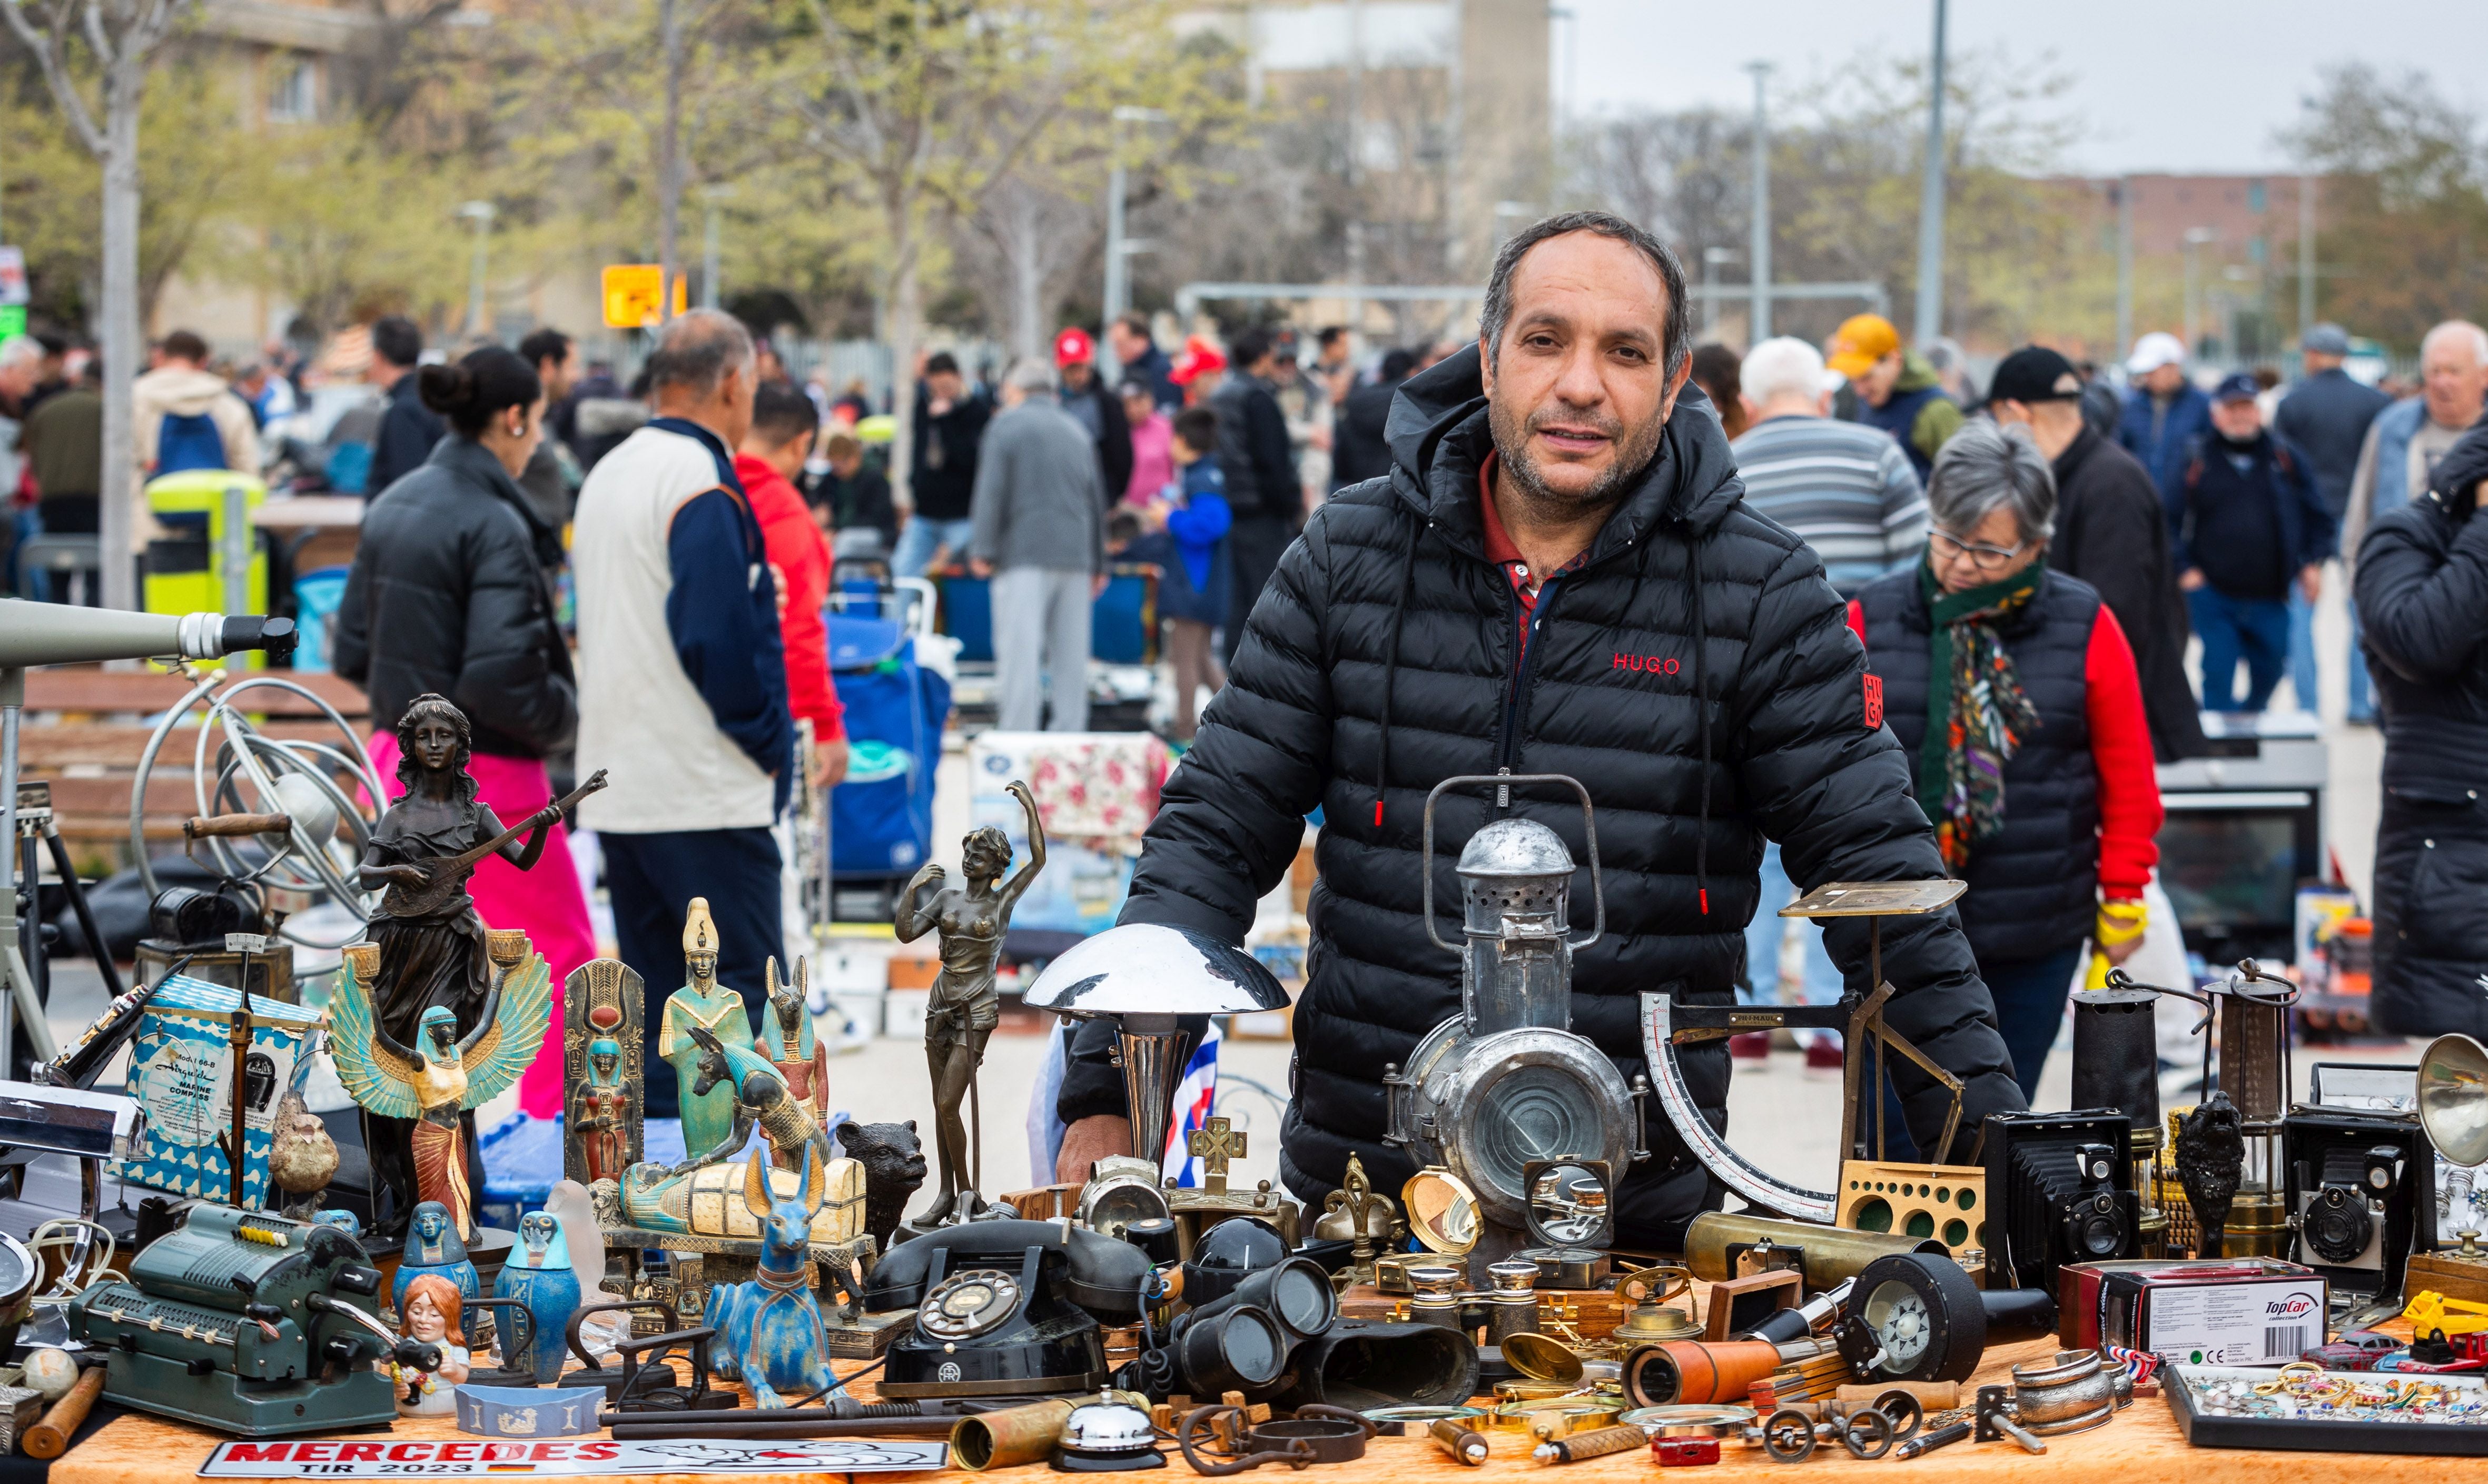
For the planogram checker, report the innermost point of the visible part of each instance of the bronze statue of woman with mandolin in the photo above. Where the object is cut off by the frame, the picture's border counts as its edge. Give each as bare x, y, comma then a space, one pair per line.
431, 941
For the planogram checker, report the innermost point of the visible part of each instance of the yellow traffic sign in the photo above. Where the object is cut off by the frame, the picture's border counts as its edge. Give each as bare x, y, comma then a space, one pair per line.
632, 292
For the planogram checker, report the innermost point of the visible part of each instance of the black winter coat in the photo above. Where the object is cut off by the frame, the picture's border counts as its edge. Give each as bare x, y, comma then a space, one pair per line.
2422, 587
1359, 447
408, 430
2034, 884
447, 594
2112, 533
1695, 672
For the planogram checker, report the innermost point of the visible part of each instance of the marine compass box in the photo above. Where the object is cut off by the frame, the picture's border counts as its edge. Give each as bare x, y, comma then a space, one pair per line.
181, 1072
2233, 1311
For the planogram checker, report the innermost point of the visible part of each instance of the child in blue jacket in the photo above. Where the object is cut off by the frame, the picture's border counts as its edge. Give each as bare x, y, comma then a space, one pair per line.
1187, 524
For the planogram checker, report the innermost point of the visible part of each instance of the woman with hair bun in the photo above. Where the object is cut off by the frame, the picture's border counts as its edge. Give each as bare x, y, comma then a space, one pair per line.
449, 596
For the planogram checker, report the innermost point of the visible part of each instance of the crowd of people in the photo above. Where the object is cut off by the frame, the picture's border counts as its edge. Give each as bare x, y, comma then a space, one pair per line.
2025, 564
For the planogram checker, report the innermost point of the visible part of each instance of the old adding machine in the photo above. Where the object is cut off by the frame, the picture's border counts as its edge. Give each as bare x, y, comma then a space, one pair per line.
250, 1323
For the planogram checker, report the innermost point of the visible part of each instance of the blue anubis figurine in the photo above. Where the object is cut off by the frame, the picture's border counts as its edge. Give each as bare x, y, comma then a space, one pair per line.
539, 1275
772, 1326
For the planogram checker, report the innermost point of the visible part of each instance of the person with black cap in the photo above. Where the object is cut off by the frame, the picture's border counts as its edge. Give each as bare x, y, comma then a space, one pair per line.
2110, 532
2247, 520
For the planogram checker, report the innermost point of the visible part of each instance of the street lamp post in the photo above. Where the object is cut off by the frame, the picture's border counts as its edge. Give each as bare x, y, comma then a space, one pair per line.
1119, 248
1931, 200
1713, 258
480, 214
1761, 329
2196, 237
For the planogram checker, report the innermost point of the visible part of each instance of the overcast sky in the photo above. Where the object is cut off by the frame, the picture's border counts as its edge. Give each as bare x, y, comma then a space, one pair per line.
2180, 85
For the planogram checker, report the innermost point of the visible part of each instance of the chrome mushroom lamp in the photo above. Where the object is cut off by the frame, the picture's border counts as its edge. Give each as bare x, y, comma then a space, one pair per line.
1145, 977
1507, 1082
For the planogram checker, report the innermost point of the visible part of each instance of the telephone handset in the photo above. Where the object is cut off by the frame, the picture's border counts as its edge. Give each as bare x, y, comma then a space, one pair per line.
1098, 1272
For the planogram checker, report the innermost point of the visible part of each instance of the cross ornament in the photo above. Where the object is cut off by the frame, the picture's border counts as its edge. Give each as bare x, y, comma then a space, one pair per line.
1215, 1143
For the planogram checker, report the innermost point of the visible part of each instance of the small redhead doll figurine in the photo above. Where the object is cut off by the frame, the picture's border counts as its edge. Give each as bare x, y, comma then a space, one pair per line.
432, 1306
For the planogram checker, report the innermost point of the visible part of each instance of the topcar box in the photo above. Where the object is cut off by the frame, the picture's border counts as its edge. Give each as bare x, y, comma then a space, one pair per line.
2234, 1311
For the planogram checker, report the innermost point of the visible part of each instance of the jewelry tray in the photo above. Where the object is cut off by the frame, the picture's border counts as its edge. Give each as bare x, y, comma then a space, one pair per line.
2322, 1435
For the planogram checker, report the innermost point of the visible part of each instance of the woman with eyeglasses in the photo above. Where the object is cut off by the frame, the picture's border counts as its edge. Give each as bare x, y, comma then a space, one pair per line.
2013, 690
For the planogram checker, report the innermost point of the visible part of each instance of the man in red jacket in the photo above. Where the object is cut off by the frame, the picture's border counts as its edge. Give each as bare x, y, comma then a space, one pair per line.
783, 425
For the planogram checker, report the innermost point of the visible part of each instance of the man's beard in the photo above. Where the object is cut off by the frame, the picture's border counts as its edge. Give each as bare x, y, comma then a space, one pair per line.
1633, 449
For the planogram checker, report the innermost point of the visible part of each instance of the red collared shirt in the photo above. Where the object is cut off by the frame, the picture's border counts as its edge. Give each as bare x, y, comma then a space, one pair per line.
1500, 550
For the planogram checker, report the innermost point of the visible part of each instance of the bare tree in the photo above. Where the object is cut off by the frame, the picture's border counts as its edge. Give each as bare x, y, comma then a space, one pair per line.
1028, 238
124, 37
928, 106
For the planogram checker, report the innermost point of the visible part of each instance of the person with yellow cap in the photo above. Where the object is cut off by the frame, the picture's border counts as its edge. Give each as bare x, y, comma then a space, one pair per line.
1896, 390
710, 1006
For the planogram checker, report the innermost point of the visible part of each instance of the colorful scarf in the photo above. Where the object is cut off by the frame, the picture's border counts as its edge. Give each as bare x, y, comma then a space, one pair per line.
1976, 714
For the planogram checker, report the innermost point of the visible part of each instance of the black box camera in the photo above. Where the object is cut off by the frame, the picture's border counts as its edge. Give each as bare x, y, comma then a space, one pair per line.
2362, 1196
2060, 1189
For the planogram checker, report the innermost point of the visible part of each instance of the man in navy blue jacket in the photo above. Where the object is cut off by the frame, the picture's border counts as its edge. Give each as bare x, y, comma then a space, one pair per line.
682, 693
2246, 522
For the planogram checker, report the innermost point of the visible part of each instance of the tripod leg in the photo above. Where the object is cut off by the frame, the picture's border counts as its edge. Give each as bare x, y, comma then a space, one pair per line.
94, 943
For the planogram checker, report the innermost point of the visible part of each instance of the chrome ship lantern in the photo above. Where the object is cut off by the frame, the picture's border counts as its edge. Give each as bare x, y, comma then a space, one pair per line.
1505, 1081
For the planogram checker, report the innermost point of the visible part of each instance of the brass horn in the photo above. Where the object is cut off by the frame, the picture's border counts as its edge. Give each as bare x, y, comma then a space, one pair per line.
2454, 1098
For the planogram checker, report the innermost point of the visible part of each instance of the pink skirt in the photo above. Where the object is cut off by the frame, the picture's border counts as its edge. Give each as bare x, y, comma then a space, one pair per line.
546, 902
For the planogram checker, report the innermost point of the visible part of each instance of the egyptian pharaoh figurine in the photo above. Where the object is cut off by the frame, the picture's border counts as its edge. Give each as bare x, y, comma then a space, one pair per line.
430, 940
792, 1046
604, 1070
437, 1081
970, 920
599, 1110
712, 1007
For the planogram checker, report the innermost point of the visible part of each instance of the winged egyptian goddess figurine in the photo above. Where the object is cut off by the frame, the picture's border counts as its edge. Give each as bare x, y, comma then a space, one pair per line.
442, 1076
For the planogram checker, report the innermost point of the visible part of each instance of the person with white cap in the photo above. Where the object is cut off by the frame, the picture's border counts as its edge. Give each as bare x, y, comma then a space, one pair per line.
2163, 411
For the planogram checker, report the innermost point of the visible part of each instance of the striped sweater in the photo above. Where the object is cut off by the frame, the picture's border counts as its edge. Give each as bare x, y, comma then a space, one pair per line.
1845, 489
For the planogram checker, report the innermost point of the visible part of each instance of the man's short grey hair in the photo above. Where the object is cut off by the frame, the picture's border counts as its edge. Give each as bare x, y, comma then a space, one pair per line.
1783, 365
2477, 338
1989, 467
20, 350
694, 350
1676, 326
1029, 375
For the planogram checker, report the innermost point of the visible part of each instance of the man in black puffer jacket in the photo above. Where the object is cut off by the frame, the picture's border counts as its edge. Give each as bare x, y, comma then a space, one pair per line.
1558, 576
2421, 589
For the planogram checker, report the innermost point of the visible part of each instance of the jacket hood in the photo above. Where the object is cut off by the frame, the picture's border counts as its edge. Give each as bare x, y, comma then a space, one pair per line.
182, 390
1439, 435
1916, 375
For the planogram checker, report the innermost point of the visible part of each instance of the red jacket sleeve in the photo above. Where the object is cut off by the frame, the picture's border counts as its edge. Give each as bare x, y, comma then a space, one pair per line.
802, 555
1857, 619
2128, 790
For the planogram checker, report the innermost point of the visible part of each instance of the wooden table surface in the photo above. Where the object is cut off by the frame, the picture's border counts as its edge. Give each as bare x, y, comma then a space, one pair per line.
2141, 1444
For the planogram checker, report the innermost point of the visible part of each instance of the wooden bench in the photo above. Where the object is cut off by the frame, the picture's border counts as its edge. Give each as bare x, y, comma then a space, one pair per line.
86, 728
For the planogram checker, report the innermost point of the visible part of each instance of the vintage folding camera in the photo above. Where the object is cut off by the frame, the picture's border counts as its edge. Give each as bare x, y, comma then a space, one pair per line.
2060, 1189
2362, 1196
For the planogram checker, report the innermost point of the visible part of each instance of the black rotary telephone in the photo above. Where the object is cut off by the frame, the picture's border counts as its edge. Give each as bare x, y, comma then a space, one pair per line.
1005, 1308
